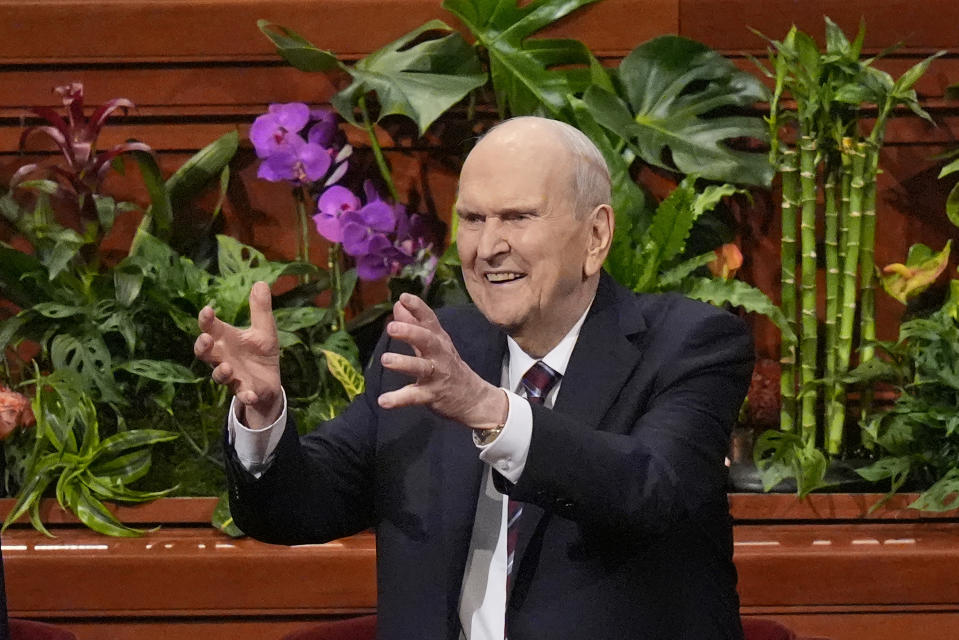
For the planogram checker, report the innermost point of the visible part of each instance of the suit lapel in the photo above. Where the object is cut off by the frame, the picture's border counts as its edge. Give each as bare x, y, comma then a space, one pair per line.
601, 363
482, 347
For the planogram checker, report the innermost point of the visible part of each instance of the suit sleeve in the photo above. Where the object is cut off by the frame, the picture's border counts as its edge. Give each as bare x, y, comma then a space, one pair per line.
664, 464
319, 487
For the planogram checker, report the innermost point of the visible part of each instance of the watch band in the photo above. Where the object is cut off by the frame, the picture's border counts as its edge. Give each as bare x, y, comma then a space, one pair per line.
483, 437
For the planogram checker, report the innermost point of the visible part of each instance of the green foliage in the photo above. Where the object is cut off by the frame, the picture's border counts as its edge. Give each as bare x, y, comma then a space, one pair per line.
919, 436
673, 87
530, 75
780, 455
735, 293
922, 268
420, 75
68, 453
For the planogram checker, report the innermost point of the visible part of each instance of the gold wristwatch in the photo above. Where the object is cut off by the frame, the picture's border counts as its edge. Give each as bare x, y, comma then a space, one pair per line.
483, 437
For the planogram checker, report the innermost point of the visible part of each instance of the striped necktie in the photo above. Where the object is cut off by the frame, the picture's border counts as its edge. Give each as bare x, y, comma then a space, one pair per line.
537, 382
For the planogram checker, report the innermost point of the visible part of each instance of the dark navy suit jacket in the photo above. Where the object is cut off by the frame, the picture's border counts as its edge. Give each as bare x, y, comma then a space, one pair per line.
626, 534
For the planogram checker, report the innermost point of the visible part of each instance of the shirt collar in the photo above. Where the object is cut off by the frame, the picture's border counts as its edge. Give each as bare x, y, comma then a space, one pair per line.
557, 358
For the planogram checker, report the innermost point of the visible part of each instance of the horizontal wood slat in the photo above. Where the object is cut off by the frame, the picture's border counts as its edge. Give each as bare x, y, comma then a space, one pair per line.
924, 25
88, 31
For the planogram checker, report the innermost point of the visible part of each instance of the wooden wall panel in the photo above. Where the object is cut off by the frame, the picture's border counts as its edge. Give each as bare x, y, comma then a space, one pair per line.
164, 31
922, 25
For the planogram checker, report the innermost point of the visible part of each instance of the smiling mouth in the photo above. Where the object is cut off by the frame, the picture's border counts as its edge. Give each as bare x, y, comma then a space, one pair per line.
504, 276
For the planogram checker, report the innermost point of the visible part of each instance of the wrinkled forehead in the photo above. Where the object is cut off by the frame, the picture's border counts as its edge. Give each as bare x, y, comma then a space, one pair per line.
515, 168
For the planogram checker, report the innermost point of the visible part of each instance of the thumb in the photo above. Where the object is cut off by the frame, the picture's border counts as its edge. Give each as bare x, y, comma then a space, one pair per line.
261, 308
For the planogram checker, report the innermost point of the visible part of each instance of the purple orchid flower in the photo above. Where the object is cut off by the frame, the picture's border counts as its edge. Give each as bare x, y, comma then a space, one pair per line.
333, 203
278, 137
380, 236
296, 161
324, 130
382, 260
274, 129
375, 219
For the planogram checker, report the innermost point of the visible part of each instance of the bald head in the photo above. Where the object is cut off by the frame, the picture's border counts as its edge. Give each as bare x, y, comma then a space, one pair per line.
588, 176
534, 228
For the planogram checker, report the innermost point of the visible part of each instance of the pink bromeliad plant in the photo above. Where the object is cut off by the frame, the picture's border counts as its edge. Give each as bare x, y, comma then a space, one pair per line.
75, 133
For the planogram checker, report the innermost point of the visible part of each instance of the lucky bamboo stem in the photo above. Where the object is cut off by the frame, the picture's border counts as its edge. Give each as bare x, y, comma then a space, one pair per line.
867, 302
809, 339
789, 169
867, 298
850, 266
831, 187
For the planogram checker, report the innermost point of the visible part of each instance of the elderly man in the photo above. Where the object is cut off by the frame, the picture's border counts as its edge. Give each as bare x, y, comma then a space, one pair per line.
551, 458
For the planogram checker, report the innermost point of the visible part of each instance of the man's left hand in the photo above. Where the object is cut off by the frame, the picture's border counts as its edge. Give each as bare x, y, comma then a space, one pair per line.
444, 382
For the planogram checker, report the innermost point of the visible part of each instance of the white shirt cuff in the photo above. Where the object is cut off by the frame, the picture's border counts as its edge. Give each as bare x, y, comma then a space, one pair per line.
508, 452
254, 447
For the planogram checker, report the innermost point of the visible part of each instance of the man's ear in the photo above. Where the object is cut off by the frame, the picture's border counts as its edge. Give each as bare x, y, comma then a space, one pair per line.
602, 224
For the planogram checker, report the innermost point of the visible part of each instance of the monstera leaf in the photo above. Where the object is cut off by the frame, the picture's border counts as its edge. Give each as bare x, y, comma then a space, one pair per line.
629, 201
530, 75
673, 88
420, 75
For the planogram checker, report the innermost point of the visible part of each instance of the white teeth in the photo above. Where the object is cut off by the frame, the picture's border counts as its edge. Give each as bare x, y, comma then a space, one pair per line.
503, 277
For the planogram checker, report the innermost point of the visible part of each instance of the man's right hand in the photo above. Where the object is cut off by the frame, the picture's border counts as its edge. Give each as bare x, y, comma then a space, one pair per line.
246, 360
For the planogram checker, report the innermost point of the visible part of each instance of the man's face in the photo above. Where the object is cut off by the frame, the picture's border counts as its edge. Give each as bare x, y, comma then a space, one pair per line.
523, 250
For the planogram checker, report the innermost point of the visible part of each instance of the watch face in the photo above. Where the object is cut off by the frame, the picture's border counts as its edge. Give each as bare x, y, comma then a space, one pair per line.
485, 436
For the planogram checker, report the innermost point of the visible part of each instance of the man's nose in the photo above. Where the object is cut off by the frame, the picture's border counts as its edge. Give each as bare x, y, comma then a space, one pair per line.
492, 241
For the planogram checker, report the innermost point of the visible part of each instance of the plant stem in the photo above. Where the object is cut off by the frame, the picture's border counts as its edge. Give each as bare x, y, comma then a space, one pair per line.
809, 339
848, 309
336, 287
867, 303
831, 241
789, 170
378, 151
303, 250
867, 300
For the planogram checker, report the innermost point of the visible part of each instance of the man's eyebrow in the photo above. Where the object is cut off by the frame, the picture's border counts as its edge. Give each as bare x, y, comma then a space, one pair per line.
508, 211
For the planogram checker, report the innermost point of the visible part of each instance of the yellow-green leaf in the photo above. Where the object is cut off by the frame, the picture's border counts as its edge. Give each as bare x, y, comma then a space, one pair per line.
905, 281
351, 378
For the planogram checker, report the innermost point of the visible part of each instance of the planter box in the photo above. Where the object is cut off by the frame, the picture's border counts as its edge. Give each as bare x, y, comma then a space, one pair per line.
826, 566
183, 581
823, 566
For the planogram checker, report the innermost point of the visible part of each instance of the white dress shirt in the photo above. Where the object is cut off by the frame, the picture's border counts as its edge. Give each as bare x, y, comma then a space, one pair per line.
483, 597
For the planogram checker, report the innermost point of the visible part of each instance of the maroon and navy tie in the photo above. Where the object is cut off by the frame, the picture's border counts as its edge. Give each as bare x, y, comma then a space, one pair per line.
537, 382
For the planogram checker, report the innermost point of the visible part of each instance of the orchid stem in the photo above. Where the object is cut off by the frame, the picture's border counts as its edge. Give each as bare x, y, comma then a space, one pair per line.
336, 287
378, 151
303, 250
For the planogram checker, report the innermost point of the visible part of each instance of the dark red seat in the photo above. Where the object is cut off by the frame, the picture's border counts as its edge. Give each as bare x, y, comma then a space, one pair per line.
29, 630
364, 628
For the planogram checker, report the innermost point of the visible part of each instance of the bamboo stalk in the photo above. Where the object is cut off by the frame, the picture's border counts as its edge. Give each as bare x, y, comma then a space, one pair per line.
809, 340
832, 189
867, 302
834, 432
867, 270
789, 169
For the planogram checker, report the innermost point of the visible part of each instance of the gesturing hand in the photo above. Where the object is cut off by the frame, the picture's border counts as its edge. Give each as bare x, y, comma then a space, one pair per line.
444, 382
246, 360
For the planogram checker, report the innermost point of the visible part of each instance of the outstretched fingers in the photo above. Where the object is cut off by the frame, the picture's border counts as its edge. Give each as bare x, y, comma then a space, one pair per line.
261, 308
408, 396
414, 309
420, 338
419, 368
